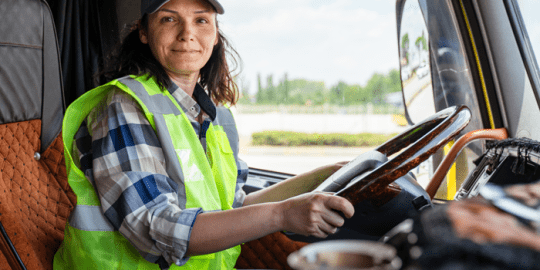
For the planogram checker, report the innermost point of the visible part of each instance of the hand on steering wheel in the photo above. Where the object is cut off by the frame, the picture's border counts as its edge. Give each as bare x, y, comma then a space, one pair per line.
314, 214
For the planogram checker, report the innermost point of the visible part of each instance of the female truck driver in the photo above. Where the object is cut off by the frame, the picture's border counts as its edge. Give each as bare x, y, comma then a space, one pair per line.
153, 157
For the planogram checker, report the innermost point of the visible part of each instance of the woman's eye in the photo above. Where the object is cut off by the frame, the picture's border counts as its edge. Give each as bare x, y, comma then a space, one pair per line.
202, 20
167, 19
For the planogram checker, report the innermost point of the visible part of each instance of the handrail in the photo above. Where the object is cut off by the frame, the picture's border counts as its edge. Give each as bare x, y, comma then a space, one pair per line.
440, 173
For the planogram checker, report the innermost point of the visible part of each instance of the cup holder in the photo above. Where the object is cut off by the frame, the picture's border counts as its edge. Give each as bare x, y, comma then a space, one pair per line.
345, 254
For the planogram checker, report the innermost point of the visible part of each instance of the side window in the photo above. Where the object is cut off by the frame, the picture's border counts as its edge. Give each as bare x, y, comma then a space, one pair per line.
529, 23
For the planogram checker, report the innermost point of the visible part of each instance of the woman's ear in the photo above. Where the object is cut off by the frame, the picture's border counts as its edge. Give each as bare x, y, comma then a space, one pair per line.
143, 36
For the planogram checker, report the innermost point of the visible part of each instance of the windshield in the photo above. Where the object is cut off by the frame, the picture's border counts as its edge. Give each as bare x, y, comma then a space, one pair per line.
316, 74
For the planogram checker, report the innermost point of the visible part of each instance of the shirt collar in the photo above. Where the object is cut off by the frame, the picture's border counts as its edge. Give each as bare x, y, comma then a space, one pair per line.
200, 97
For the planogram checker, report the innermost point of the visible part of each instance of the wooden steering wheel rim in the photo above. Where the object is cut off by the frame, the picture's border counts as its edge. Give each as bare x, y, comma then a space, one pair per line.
416, 144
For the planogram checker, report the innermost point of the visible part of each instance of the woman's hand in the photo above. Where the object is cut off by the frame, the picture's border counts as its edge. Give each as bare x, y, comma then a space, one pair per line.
314, 214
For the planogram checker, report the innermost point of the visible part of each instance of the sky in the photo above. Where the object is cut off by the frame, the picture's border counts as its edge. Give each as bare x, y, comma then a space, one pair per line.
320, 40
529, 10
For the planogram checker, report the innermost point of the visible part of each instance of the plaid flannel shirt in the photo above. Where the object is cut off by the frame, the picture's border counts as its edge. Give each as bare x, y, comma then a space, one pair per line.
120, 154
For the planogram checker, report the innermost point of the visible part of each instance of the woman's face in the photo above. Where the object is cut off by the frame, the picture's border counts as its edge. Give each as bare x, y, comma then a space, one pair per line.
182, 35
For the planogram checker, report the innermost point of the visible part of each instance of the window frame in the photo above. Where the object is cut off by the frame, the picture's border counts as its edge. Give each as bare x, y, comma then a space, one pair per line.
525, 47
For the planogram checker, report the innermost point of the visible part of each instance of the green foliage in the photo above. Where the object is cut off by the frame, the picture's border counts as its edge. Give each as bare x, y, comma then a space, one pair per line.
315, 93
405, 46
260, 90
421, 43
405, 41
287, 138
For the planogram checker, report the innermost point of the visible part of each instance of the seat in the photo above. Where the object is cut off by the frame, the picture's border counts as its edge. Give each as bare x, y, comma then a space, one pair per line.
35, 198
268, 252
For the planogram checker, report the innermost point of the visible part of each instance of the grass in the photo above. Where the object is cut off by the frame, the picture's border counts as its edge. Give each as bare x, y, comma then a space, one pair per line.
288, 138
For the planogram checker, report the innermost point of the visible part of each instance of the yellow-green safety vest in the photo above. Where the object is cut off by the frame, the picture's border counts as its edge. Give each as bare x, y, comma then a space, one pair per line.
206, 180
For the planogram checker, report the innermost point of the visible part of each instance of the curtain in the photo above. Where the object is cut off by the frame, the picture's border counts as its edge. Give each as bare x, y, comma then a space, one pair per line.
87, 31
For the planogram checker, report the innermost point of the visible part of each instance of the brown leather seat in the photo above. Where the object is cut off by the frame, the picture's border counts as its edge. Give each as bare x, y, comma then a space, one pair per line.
268, 252
35, 199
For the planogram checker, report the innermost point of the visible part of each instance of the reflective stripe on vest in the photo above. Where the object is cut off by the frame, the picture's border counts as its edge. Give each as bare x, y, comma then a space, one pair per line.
207, 180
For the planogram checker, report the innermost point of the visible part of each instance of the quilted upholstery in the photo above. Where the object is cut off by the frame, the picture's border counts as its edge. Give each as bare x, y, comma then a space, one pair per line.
269, 252
35, 199
3, 260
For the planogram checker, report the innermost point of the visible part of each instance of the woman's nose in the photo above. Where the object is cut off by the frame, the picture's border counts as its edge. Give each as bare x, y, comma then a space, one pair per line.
186, 32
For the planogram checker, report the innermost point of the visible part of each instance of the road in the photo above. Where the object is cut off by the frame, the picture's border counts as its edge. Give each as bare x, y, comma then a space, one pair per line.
419, 98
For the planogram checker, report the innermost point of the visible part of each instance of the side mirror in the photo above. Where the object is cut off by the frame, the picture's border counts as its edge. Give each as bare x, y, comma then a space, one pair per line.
415, 64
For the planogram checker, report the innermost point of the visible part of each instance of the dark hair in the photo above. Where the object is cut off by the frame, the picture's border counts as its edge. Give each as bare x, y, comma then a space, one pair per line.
132, 57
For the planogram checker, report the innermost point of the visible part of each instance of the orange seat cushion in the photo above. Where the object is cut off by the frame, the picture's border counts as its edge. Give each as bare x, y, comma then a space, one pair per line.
268, 252
35, 198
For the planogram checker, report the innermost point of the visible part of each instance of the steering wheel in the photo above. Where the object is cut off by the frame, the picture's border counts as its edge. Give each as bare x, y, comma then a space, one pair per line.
371, 173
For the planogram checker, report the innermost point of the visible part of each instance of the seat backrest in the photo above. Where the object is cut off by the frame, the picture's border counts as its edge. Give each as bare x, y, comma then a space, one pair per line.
35, 199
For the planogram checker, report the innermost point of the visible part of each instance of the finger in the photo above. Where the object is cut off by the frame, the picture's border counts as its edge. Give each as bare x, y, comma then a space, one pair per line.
326, 229
340, 204
535, 190
333, 218
318, 231
532, 202
321, 234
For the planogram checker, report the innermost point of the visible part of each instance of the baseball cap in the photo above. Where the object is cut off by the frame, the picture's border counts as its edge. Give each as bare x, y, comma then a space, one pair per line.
151, 6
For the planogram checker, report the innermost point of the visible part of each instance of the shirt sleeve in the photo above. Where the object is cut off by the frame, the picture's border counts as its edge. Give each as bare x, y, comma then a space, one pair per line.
137, 196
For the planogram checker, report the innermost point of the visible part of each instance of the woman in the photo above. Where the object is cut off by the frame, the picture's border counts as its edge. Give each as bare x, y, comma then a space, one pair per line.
156, 146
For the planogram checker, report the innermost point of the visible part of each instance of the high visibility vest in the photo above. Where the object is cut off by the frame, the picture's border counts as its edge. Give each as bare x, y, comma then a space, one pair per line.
206, 180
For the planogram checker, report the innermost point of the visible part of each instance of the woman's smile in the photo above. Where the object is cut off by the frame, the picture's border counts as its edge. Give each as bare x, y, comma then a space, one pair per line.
186, 51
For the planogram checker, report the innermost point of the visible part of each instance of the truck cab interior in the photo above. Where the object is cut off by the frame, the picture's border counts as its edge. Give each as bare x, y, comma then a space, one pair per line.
475, 81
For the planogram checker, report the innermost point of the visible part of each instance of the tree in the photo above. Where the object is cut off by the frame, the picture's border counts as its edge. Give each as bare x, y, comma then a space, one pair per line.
299, 91
405, 48
376, 87
337, 93
270, 91
393, 81
421, 42
260, 92
285, 89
